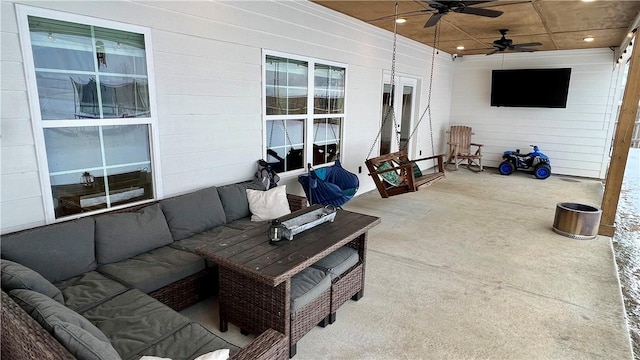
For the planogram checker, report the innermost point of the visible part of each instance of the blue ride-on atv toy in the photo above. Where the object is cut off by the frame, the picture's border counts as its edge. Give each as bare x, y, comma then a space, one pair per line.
534, 161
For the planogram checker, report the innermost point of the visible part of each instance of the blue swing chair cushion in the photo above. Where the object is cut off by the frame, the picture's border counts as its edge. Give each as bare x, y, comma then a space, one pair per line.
331, 185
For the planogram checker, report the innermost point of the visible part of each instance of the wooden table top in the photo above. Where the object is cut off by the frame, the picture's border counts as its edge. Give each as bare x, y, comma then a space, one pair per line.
251, 254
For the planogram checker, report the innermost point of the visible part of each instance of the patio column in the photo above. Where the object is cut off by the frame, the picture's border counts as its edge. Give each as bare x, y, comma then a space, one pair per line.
621, 144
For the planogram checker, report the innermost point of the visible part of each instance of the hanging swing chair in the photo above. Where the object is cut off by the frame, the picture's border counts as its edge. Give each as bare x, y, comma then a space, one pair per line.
330, 185
395, 173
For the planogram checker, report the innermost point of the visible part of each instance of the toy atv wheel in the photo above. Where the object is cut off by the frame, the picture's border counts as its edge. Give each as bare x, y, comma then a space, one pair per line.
506, 167
542, 171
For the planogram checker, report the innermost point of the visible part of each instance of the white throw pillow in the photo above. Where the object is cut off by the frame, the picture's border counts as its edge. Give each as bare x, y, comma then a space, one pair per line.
222, 354
267, 205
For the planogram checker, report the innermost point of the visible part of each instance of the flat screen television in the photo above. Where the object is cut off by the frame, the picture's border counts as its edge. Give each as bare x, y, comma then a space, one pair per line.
545, 88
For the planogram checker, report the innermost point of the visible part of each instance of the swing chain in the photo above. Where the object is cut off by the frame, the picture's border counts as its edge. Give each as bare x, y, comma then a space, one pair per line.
428, 108
390, 105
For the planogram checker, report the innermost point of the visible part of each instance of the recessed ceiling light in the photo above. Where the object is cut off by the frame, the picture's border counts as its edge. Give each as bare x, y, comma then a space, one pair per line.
401, 20
630, 34
460, 47
588, 0
589, 39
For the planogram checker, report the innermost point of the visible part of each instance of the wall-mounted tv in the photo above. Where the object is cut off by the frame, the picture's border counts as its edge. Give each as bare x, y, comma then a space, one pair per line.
545, 88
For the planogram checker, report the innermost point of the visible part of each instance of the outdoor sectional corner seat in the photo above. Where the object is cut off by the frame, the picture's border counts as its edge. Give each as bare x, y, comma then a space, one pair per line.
109, 286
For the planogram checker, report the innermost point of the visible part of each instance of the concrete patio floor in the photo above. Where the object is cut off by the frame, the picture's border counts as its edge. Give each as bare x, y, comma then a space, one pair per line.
469, 268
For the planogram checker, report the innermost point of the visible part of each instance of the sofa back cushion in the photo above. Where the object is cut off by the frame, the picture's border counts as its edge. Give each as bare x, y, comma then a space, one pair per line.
234, 198
17, 276
57, 252
193, 213
83, 339
124, 235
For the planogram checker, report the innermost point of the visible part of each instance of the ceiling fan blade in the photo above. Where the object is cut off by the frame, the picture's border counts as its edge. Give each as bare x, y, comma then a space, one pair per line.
433, 20
521, 49
471, 3
479, 11
527, 44
493, 52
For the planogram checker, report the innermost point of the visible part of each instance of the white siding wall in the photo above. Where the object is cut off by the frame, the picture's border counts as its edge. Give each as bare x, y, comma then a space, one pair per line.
577, 138
208, 58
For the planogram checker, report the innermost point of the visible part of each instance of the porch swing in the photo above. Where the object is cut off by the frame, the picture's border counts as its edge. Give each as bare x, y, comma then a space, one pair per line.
395, 173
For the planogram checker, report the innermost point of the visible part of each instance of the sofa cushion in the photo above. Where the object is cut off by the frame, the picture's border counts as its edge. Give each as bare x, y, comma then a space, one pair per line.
77, 334
188, 342
17, 276
234, 198
57, 252
88, 290
306, 286
338, 262
217, 234
133, 321
267, 205
154, 269
124, 235
193, 213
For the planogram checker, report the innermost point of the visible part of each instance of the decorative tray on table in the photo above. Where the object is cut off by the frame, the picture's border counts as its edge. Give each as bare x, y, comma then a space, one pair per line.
308, 220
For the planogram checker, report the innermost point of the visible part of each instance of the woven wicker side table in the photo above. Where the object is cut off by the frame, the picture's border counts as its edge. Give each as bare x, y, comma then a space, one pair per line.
255, 276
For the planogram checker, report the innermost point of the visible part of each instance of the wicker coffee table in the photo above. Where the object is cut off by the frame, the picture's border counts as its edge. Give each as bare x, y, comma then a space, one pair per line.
255, 276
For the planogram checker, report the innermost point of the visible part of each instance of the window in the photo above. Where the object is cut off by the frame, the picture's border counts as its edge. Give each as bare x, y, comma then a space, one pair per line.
300, 128
92, 110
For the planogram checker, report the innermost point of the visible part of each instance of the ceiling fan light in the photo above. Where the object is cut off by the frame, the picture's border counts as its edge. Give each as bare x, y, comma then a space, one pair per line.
460, 47
401, 20
589, 39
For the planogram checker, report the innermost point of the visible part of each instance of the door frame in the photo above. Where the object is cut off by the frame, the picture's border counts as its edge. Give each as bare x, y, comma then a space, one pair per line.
400, 81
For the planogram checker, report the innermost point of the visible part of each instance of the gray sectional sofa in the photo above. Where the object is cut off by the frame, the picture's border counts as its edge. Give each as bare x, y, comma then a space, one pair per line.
109, 286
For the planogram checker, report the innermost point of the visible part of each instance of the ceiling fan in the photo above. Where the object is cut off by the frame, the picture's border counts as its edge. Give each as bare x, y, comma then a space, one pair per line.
503, 44
442, 7
462, 7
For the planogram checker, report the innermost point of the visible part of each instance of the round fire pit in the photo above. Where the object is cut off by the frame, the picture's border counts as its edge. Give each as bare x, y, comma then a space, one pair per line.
577, 221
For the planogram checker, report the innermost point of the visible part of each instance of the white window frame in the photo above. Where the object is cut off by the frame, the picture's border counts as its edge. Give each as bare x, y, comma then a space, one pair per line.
23, 12
310, 116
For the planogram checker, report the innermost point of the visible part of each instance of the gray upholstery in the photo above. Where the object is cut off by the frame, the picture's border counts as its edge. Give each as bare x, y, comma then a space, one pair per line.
217, 234
306, 286
57, 252
77, 334
193, 213
124, 235
338, 262
200, 341
234, 198
17, 276
133, 321
88, 290
154, 269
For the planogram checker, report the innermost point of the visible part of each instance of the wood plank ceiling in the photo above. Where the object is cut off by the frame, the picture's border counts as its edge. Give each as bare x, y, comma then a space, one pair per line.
557, 24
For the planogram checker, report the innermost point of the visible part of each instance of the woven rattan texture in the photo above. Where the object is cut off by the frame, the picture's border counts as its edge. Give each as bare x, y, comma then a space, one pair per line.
306, 318
297, 202
344, 287
24, 339
251, 305
188, 291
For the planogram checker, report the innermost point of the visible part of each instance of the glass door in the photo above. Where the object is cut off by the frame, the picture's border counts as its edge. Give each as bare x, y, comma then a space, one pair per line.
398, 109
